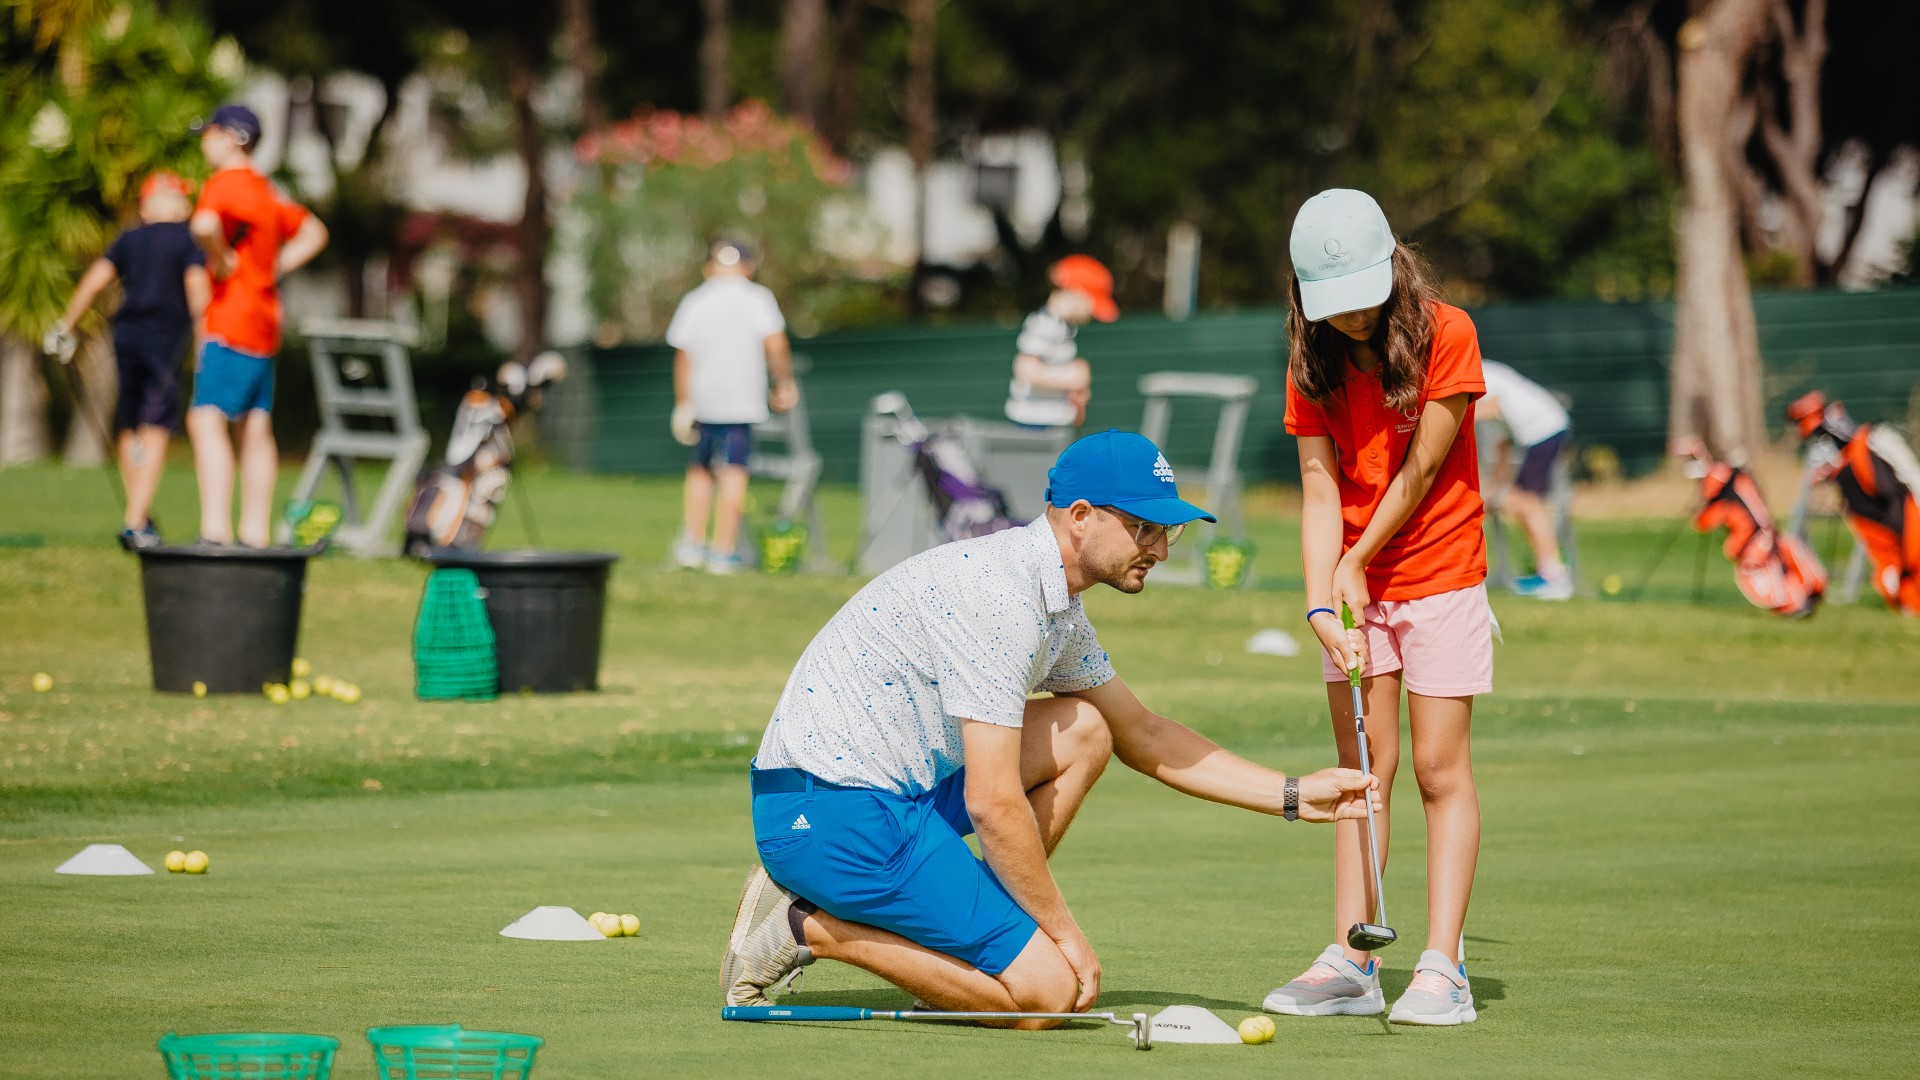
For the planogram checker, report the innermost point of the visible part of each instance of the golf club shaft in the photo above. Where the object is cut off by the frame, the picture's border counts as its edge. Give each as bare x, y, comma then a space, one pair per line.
1373, 835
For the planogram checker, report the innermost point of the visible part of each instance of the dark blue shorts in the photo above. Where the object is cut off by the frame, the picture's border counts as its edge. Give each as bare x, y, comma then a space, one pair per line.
1536, 469
894, 862
234, 382
732, 442
149, 367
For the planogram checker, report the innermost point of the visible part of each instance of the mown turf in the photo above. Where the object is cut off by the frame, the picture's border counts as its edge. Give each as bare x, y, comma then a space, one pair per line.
1698, 858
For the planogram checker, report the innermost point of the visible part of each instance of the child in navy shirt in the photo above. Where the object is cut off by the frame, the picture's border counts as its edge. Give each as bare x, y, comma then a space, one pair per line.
163, 298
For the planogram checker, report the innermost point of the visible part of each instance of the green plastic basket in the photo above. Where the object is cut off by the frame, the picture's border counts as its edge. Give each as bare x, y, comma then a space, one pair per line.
453, 644
245, 1055
451, 1052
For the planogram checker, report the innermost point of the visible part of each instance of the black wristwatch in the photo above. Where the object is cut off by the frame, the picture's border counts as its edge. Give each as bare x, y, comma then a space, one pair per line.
1290, 800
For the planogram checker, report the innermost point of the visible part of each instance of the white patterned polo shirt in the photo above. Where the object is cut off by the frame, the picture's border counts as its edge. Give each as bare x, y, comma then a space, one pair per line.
962, 632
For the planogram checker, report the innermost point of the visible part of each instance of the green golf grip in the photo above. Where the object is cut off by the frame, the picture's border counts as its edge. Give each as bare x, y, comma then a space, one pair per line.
1346, 620
794, 1012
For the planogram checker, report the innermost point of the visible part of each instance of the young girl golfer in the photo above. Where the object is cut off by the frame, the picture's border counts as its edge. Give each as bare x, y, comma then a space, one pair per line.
1380, 388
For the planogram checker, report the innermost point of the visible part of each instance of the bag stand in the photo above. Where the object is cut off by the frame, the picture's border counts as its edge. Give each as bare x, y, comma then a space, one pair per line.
1821, 453
800, 467
1187, 564
347, 384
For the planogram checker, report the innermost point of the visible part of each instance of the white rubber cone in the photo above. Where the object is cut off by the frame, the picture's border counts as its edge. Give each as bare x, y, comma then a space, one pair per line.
104, 860
1192, 1024
553, 924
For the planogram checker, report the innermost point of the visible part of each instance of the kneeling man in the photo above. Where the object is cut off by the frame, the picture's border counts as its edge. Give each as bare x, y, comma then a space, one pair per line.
907, 725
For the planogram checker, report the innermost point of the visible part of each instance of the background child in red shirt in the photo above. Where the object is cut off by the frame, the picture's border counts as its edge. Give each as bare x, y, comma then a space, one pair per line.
1380, 389
253, 236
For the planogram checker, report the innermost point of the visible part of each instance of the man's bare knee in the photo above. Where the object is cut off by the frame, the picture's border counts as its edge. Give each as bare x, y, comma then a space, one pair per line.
1086, 736
1040, 980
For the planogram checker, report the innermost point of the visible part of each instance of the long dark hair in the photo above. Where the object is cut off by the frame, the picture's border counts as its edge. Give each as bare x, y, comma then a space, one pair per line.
1316, 352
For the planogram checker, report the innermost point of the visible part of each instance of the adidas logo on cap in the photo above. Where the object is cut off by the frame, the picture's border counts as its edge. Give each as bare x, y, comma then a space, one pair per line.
1163, 470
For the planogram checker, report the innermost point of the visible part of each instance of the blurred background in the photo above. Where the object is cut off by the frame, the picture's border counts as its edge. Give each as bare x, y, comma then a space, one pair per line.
509, 176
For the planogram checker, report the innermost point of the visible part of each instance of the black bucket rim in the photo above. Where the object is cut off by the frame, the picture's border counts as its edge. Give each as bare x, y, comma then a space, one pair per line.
233, 552
487, 560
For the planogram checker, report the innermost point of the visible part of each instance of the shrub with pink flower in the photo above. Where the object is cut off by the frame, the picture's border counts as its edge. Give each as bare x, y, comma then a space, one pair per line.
664, 183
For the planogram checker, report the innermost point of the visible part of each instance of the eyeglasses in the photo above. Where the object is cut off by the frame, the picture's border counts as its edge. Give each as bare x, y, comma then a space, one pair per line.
1147, 533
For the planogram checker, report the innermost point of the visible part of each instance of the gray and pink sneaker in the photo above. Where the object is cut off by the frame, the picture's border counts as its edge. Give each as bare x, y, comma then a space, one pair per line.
1439, 994
1333, 986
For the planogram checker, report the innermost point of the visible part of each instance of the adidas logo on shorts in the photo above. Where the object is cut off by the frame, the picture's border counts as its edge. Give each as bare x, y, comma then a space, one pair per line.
800, 823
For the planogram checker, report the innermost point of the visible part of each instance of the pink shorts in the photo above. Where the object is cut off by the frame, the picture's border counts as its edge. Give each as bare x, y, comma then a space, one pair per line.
1443, 644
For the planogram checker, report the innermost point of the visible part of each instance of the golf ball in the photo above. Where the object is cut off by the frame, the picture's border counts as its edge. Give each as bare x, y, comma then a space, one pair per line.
1255, 1030
42, 681
1611, 585
323, 685
278, 694
299, 689
176, 862
629, 925
199, 688
348, 692
195, 862
301, 669
608, 925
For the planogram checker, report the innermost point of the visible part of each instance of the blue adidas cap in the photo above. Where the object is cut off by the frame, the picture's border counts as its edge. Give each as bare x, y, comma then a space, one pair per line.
1123, 470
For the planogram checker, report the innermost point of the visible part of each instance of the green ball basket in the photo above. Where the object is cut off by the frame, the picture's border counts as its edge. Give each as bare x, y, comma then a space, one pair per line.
245, 1055
451, 1052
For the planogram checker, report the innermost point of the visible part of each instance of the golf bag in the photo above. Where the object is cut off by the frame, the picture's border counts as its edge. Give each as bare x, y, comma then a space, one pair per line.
1774, 570
1879, 480
454, 502
963, 505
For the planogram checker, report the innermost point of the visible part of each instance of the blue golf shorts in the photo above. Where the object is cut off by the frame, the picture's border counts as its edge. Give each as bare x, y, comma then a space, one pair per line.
731, 442
896, 863
232, 381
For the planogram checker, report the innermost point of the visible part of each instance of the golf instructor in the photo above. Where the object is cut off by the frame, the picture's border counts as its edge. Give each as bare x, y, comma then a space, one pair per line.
907, 725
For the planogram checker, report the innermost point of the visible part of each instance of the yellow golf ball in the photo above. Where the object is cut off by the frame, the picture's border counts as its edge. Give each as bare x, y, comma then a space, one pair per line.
629, 925
301, 669
195, 862
199, 688
323, 685
42, 681
349, 694
608, 925
176, 861
278, 694
1611, 584
299, 689
1255, 1030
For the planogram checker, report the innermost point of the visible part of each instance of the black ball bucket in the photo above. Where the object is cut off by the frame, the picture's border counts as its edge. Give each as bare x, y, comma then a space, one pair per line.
547, 609
228, 617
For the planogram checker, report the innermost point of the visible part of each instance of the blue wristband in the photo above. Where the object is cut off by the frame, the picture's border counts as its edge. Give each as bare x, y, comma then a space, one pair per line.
1318, 610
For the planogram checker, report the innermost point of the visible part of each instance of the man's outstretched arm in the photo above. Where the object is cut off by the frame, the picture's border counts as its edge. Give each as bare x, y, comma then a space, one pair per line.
1187, 761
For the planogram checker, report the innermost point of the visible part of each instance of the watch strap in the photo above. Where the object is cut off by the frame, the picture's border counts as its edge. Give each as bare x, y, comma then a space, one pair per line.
1290, 799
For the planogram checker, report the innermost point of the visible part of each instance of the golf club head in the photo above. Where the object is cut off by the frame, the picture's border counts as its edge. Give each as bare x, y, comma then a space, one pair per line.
1142, 1032
1367, 937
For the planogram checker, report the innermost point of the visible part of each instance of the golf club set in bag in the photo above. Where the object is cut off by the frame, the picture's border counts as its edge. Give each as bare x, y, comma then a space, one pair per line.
456, 501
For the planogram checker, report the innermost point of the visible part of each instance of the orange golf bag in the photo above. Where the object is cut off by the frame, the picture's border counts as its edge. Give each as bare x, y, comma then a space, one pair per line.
1774, 570
1879, 480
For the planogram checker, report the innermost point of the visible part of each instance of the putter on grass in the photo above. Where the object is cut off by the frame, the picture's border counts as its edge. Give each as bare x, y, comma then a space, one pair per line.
1366, 936
1142, 1028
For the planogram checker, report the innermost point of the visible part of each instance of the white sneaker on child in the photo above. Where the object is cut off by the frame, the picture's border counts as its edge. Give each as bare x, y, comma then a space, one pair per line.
1439, 994
1333, 986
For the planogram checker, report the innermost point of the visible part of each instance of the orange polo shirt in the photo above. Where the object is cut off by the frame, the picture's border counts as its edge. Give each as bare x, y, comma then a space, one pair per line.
1443, 545
244, 312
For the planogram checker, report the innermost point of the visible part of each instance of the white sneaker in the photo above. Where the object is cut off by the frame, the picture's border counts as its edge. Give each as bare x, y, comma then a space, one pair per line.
1439, 995
1333, 986
688, 555
725, 565
761, 955
1554, 587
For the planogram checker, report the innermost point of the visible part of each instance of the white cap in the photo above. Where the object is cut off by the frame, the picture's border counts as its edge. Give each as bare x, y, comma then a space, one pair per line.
1342, 253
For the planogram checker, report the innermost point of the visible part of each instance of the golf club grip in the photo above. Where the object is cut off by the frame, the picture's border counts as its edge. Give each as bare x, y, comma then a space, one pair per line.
794, 1012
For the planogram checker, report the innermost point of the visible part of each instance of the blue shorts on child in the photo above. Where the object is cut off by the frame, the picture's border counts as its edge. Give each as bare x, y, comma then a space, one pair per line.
893, 861
232, 381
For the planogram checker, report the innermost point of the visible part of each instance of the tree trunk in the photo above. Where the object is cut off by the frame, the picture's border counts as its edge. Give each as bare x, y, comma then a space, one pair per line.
923, 127
23, 404
1795, 150
849, 54
1716, 351
585, 60
716, 84
803, 29
100, 383
535, 232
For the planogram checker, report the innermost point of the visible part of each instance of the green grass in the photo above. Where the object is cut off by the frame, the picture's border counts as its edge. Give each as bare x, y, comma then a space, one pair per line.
1698, 856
